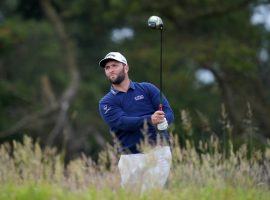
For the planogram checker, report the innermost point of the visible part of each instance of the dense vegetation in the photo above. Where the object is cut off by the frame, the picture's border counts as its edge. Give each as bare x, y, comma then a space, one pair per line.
50, 82
53, 143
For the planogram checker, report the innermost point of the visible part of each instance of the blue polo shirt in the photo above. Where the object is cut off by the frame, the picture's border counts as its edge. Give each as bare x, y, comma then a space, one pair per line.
126, 113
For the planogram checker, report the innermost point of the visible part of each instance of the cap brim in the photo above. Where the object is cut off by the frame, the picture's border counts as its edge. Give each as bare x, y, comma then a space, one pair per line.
103, 62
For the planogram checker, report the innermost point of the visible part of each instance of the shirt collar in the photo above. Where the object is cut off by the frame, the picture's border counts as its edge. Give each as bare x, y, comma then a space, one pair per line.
115, 91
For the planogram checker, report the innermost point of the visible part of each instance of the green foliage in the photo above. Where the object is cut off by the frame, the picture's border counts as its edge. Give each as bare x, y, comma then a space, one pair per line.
43, 191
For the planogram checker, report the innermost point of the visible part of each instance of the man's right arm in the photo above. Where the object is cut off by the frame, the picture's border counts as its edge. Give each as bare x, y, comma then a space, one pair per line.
116, 118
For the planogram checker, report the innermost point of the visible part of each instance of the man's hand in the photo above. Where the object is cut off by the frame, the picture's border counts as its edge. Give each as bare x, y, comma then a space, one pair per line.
163, 125
157, 117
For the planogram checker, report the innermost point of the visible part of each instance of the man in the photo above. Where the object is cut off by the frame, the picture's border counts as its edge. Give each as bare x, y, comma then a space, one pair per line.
126, 108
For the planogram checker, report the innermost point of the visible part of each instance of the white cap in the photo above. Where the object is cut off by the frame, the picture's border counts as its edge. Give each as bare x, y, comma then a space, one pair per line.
113, 56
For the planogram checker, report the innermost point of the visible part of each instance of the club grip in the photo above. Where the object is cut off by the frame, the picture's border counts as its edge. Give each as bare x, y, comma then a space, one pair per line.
160, 107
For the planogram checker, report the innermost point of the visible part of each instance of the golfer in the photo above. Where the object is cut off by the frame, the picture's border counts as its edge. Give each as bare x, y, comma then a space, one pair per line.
126, 108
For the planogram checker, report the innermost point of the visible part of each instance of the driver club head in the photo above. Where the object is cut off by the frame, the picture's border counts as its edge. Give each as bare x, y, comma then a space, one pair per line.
155, 22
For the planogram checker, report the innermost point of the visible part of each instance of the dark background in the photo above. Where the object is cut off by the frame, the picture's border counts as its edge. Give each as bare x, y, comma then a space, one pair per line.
50, 81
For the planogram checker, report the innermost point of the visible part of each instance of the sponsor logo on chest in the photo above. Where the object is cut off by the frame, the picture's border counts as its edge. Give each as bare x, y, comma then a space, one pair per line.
139, 97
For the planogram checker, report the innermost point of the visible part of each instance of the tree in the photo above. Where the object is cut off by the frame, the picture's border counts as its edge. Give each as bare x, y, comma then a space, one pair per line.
44, 77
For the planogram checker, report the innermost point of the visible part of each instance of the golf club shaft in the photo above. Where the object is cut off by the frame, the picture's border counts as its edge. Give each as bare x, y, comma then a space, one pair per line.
160, 72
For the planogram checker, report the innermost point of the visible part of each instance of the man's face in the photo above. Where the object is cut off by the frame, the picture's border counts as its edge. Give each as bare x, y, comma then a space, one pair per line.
115, 71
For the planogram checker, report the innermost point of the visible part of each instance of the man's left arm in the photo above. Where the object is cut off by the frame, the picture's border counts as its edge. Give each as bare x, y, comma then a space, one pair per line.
154, 93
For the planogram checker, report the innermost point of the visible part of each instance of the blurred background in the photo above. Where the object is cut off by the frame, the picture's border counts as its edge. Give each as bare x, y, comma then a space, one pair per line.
216, 67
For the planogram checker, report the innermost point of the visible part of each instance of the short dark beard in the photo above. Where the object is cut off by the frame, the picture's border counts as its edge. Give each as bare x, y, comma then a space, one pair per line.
119, 78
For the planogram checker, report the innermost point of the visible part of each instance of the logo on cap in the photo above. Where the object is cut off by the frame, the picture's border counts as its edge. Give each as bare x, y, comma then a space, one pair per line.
110, 55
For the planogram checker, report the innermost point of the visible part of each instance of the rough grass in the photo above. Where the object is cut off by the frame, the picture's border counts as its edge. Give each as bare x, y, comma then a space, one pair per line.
50, 191
28, 172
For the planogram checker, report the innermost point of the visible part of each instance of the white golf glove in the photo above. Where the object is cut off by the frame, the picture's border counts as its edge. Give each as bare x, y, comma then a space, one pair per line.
163, 125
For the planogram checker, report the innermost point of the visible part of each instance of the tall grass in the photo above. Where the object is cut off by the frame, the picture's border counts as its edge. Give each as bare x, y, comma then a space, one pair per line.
26, 169
208, 170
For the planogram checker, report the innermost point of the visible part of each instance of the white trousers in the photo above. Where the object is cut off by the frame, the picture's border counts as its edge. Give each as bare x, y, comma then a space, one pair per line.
145, 171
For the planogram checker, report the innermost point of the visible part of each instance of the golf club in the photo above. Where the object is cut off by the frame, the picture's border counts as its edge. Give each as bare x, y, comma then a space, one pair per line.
155, 22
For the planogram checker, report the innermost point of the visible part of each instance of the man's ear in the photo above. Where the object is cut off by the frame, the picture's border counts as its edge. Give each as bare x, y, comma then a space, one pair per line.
126, 67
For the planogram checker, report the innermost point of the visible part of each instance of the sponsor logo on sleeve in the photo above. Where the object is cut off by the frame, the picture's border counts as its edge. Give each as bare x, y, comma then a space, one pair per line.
106, 109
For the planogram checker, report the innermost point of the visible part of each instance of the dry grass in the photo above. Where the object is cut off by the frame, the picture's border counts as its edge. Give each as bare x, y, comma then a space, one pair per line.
218, 172
23, 163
